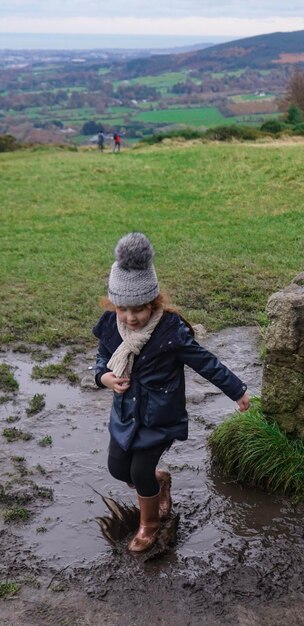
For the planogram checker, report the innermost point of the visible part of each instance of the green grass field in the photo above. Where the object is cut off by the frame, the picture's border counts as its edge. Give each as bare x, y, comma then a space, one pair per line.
253, 120
55, 90
103, 70
251, 97
56, 112
122, 110
227, 223
202, 116
232, 73
162, 82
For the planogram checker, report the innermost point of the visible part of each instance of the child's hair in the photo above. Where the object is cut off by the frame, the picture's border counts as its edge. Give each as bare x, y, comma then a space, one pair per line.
162, 300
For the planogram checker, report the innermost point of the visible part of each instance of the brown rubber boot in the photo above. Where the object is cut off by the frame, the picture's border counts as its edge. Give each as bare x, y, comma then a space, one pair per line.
165, 501
146, 535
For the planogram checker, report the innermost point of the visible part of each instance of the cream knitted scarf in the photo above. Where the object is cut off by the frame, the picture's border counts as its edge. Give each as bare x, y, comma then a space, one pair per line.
121, 361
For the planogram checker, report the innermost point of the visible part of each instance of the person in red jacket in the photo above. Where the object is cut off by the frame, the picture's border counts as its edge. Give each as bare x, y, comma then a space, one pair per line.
116, 139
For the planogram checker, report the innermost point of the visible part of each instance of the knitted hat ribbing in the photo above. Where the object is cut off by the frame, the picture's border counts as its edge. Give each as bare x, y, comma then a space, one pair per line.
133, 279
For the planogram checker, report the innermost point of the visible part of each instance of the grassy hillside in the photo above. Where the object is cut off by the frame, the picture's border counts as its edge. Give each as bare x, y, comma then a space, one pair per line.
226, 222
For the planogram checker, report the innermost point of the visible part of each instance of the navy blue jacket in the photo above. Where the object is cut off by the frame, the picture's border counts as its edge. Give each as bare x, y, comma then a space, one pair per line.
153, 409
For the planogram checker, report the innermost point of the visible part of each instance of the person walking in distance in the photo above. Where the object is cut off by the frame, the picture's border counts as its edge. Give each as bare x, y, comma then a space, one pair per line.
116, 139
100, 140
143, 347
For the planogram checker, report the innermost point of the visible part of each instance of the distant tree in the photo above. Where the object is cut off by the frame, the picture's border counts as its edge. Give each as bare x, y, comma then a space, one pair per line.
90, 128
57, 123
76, 100
8, 143
272, 126
294, 115
100, 107
294, 94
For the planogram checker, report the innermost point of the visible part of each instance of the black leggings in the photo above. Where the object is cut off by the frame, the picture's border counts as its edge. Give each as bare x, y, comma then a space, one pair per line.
136, 467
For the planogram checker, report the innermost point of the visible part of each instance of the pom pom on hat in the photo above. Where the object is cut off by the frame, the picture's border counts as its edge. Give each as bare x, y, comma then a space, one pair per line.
133, 280
134, 252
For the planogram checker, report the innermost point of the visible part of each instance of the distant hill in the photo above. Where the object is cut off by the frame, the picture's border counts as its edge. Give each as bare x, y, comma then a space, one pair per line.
181, 49
260, 52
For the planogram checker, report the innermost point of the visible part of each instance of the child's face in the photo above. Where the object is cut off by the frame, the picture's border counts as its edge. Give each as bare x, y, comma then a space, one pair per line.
135, 317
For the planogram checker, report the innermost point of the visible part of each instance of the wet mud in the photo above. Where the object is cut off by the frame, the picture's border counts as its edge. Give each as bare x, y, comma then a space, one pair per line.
238, 558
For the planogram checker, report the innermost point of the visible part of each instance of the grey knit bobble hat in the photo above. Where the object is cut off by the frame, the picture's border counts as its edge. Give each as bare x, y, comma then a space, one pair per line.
133, 279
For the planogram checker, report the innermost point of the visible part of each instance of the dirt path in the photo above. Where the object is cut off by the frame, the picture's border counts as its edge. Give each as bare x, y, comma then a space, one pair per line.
239, 555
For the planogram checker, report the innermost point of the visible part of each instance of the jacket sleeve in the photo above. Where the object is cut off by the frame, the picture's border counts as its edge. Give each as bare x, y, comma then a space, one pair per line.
208, 366
102, 357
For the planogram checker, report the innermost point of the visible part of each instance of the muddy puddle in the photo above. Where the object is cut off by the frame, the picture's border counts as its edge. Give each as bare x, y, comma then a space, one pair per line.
238, 558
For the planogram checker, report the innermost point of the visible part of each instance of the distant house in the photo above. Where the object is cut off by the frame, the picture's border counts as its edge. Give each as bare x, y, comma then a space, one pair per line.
68, 130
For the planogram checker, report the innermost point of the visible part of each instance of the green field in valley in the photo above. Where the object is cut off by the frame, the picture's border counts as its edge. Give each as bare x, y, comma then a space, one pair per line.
227, 223
162, 82
200, 116
253, 97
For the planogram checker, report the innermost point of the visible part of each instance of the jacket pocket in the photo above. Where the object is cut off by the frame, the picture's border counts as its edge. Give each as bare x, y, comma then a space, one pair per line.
165, 406
117, 404
124, 405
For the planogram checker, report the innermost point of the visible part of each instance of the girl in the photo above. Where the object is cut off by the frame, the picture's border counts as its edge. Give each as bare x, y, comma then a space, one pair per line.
143, 347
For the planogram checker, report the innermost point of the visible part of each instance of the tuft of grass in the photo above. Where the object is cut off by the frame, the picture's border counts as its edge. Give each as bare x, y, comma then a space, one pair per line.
40, 355
20, 464
5, 398
46, 493
16, 514
56, 370
36, 404
22, 348
45, 441
8, 383
12, 418
257, 452
12, 434
8, 588
10, 499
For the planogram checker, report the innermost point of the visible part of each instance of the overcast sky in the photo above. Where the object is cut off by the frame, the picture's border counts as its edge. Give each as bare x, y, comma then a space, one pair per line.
231, 18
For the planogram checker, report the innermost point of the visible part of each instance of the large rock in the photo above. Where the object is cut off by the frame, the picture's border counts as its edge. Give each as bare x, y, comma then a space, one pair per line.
283, 373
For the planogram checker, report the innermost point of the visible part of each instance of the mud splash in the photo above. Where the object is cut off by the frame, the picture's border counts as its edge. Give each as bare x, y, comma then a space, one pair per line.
237, 548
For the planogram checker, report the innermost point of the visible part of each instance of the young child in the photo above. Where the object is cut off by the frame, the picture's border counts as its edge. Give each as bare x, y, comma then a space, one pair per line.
143, 348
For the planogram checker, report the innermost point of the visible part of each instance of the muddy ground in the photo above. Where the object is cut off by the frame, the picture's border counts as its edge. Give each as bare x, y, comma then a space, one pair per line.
239, 552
